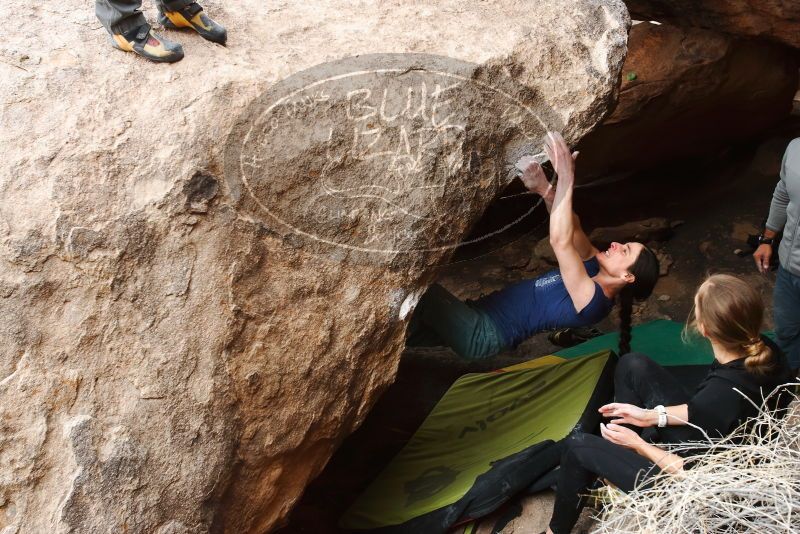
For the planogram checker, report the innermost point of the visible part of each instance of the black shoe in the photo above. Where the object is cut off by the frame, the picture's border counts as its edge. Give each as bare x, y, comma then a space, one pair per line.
569, 337
192, 16
143, 42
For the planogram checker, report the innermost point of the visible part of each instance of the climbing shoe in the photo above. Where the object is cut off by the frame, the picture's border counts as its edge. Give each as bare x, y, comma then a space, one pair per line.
144, 42
192, 16
569, 337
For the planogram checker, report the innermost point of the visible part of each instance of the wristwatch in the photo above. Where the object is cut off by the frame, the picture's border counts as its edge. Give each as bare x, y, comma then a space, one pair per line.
764, 240
662, 415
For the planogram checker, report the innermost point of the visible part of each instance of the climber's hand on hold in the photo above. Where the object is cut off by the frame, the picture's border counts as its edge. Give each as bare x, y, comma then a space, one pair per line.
562, 159
533, 176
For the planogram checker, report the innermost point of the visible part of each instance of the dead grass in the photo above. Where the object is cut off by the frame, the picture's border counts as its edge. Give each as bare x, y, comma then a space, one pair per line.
747, 482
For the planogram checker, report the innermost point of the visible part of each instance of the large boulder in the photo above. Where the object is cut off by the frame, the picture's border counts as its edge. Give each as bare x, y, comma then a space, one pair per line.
206, 274
778, 20
688, 92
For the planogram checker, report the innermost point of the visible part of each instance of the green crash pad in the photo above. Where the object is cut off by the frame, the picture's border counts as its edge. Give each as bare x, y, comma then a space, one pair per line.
489, 436
660, 340
460, 464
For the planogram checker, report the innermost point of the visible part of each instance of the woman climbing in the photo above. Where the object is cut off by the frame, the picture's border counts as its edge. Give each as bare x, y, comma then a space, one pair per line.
728, 312
580, 292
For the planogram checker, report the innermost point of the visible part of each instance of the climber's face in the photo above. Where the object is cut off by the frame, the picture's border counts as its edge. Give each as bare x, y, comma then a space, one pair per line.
619, 258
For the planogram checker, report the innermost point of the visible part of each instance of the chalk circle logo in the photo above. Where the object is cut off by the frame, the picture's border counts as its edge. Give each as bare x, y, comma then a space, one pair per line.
380, 153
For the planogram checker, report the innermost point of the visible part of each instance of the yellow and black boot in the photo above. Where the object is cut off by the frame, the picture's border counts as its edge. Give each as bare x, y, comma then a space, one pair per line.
193, 16
144, 42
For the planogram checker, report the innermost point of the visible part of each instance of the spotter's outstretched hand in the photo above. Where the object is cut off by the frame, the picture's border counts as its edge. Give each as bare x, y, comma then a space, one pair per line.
620, 435
627, 414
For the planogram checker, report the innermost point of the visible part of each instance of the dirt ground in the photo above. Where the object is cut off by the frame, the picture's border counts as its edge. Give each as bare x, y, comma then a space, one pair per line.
717, 203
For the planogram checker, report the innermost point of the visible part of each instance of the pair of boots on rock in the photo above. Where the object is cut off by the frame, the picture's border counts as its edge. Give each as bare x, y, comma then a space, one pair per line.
136, 35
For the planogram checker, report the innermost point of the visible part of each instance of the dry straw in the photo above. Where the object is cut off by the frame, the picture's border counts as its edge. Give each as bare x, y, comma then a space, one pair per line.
747, 482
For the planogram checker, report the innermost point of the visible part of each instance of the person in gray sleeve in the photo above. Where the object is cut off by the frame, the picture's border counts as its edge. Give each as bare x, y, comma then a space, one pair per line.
130, 32
784, 215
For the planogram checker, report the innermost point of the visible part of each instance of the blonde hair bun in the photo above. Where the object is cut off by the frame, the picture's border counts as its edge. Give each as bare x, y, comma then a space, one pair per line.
731, 312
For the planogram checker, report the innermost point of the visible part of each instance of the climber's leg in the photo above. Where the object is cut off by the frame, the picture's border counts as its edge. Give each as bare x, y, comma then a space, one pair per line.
129, 31
119, 16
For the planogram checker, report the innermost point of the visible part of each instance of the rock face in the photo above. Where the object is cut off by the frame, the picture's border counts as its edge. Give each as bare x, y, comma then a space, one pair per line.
774, 19
206, 274
688, 92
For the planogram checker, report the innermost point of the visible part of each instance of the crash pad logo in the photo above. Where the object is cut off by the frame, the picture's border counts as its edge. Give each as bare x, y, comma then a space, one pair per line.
482, 424
379, 153
428, 484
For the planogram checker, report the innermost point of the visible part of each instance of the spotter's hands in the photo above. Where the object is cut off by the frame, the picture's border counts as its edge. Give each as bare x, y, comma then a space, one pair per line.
620, 435
628, 414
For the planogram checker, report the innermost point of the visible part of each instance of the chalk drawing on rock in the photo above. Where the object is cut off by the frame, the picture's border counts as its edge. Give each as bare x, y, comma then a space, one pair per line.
354, 154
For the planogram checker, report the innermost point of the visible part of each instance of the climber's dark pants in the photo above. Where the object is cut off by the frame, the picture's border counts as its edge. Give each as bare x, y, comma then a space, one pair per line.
585, 458
120, 16
640, 381
442, 319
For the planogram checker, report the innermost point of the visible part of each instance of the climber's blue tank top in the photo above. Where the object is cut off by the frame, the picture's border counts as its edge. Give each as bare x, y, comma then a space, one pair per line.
531, 306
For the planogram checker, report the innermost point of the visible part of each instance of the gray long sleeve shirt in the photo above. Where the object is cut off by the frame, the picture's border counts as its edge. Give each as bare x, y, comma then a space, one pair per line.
784, 212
